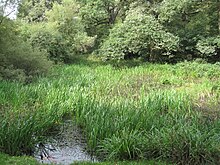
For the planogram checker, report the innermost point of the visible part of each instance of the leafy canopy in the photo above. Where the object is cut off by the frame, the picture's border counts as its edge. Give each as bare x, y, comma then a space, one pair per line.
139, 34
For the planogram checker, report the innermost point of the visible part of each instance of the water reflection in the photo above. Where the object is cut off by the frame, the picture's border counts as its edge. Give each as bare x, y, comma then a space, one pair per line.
65, 148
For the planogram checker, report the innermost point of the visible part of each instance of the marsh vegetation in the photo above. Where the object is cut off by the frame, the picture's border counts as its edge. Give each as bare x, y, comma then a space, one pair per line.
140, 79
151, 111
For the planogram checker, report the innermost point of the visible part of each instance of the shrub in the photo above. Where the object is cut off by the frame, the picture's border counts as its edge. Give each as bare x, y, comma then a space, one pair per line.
209, 47
18, 59
48, 39
62, 36
139, 35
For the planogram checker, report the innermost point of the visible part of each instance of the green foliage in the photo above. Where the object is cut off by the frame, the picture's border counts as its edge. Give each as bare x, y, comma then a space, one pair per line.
23, 160
158, 30
193, 21
147, 112
95, 13
62, 35
47, 38
70, 26
209, 46
20, 132
99, 16
18, 59
34, 10
23, 121
140, 34
170, 9
160, 124
152, 162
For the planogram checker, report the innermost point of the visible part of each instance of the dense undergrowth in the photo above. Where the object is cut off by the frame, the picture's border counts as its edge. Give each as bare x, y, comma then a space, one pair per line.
162, 112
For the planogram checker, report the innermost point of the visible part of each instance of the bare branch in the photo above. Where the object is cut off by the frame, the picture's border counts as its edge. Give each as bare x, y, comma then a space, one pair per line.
2, 19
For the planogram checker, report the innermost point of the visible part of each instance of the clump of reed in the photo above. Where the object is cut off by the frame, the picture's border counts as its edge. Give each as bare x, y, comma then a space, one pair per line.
161, 125
149, 112
21, 132
24, 121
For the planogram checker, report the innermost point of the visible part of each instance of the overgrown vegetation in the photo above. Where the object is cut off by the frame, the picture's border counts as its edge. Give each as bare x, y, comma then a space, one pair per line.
140, 35
132, 115
58, 30
128, 108
19, 60
23, 120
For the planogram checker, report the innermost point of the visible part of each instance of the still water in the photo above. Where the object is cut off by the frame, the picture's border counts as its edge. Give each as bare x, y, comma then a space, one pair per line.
64, 148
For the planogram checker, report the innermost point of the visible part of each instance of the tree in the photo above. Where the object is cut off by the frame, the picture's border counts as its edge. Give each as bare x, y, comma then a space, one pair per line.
192, 21
69, 23
34, 10
7, 8
18, 60
139, 35
62, 34
99, 16
154, 29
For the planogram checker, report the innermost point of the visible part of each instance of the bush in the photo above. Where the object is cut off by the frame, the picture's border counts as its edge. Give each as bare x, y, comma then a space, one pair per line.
19, 61
209, 47
139, 35
62, 36
69, 26
48, 39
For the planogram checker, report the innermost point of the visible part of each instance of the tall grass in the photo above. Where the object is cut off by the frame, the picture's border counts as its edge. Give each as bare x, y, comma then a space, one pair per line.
162, 125
19, 133
24, 119
146, 112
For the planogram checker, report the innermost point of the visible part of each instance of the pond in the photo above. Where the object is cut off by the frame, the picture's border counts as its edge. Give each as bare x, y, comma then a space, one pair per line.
66, 147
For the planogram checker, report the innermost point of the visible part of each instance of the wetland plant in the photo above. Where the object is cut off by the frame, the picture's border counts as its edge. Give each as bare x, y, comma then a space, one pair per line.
125, 114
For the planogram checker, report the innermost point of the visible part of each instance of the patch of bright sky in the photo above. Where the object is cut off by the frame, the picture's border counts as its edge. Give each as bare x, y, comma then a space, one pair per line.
11, 12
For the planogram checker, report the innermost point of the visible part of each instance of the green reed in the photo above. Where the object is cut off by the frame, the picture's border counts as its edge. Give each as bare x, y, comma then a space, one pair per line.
150, 111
